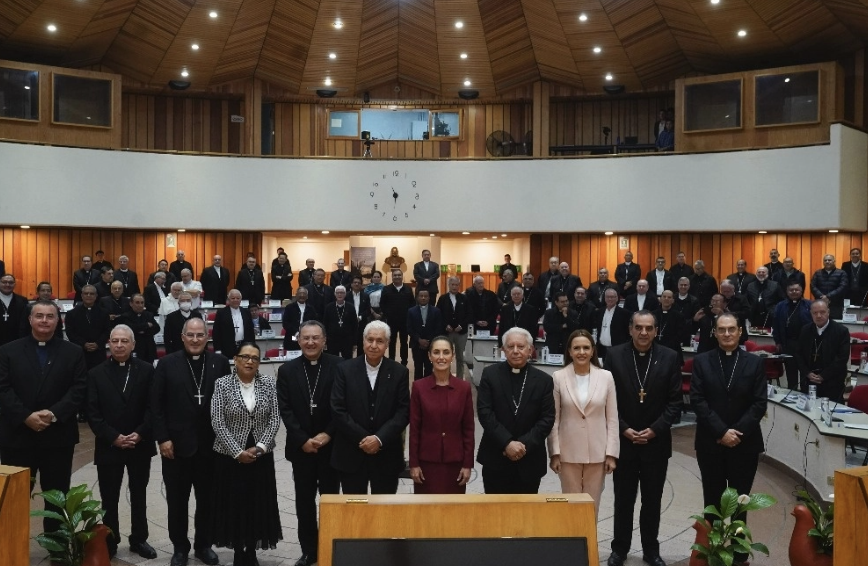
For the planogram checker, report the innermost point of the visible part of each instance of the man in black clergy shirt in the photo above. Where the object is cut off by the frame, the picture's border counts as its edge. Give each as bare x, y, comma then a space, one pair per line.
627, 274
395, 302
233, 326
584, 308
340, 276
43, 381
371, 407
559, 322
857, 277
687, 306
305, 276
482, 306
545, 278
341, 323
564, 282
180, 264
741, 278
516, 409
680, 269
127, 276
517, 313
144, 328
304, 389
87, 326
87, 275
215, 281
173, 328
597, 289
648, 385
251, 282
702, 284
118, 399
13, 309
532, 295
44, 292
296, 313
181, 412
824, 354
318, 293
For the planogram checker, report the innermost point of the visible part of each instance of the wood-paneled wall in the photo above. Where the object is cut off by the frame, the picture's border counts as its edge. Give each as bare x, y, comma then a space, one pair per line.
53, 254
586, 253
581, 122
180, 123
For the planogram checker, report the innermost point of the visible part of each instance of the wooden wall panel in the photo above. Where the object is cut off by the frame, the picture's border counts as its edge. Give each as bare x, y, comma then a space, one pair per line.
581, 122
586, 253
53, 254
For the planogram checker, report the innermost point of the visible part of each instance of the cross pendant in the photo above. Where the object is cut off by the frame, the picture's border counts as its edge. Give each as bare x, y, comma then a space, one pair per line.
5, 316
642, 395
312, 407
199, 397
816, 356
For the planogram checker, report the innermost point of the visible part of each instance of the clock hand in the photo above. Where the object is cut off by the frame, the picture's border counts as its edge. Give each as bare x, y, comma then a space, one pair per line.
395, 196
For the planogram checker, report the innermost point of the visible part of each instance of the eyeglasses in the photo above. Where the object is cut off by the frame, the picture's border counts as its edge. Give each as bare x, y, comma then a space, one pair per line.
198, 335
247, 358
730, 330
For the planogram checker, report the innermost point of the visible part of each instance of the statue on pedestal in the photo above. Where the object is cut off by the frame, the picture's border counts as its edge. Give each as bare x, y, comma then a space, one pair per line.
394, 261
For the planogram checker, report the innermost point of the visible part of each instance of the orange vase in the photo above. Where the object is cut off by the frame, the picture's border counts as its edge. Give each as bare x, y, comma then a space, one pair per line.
803, 548
96, 549
701, 538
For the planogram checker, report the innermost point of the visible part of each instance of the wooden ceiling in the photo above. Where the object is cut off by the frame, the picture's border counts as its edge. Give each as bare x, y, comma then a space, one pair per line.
645, 44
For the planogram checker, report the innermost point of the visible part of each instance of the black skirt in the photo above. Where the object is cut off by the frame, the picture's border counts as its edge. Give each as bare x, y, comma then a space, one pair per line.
244, 511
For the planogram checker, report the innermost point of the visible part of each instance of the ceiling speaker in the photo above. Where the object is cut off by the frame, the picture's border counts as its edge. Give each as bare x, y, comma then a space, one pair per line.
468, 94
179, 85
366, 97
614, 89
326, 93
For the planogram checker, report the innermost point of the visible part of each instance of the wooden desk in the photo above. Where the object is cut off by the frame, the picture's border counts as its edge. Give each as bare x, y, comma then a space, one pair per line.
14, 515
456, 516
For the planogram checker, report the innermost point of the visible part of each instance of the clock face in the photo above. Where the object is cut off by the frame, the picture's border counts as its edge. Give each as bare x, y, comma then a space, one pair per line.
394, 197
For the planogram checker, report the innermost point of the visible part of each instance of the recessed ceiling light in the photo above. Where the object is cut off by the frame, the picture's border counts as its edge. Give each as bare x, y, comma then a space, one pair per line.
598, 49
608, 76
328, 82
485, 238
26, 88
182, 229
51, 27
87, 117
715, 1
786, 80
763, 232
494, 237
25, 227
184, 73
608, 233
583, 18
742, 33
432, 235
833, 231
459, 24
465, 233
212, 14
325, 231
338, 24
333, 55
463, 55
467, 83
195, 47
503, 235
304, 237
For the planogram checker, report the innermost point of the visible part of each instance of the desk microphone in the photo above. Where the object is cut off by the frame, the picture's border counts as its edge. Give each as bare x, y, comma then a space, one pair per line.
784, 400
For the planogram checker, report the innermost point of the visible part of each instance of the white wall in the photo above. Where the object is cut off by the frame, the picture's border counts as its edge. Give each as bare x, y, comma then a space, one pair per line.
808, 188
487, 253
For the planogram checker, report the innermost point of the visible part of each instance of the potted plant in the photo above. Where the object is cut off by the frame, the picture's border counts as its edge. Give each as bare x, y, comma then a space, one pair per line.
79, 535
813, 533
719, 543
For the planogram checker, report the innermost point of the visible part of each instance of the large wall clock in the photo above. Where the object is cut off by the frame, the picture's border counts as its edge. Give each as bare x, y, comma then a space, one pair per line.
395, 196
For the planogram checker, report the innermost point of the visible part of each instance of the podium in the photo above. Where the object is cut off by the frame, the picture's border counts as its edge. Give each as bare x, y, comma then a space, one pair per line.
14, 516
408, 528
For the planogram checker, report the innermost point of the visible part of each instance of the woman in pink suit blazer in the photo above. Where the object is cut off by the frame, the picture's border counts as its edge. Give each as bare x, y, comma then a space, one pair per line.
584, 444
441, 426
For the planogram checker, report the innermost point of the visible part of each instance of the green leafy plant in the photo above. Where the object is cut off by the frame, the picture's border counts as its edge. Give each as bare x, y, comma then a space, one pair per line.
78, 514
728, 536
824, 522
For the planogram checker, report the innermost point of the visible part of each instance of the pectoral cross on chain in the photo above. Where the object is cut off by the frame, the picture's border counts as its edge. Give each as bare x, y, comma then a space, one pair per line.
642, 395
199, 397
312, 407
5, 316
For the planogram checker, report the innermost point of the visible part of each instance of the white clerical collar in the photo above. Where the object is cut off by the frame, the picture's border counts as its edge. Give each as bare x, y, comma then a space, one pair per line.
682, 297
312, 362
627, 263
339, 304
821, 329
517, 306
398, 287
856, 264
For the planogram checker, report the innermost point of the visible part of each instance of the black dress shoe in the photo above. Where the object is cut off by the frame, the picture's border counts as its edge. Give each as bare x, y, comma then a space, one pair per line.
653, 560
179, 559
306, 560
616, 559
143, 549
207, 555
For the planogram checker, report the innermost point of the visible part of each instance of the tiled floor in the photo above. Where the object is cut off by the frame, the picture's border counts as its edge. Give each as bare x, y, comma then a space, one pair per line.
682, 498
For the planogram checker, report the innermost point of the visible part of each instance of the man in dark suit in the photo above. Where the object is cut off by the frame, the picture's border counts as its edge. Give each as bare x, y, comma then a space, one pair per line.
741, 278
144, 328
128, 277
672, 329
424, 322
642, 299
395, 300
627, 274
789, 274
340, 276
564, 282
687, 306
179, 265
175, 321
660, 279
43, 291
341, 323
87, 326
507, 264
371, 407
791, 317
857, 278
559, 322
532, 295
215, 281
297, 312
87, 275
13, 309
762, 296
648, 385
43, 380
824, 354
728, 395
304, 388
305, 276
427, 276
584, 308
181, 412
232, 326
453, 310
163, 267
251, 282
155, 292
597, 290
517, 313
545, 278
702, 284
360, 304
680, 268
115, 304
482, 306
612, 323
318, 293
516, 409
118, 399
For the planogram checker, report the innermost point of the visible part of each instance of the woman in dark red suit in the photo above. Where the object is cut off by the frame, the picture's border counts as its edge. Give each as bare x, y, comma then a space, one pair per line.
441, 426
